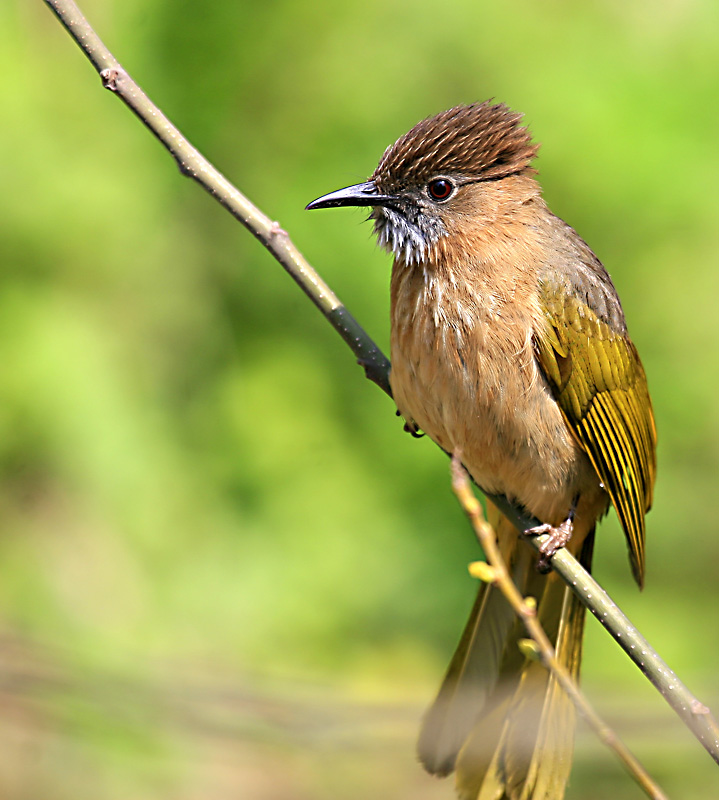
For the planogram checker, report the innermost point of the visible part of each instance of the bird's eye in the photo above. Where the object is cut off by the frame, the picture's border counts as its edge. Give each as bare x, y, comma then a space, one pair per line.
440, 189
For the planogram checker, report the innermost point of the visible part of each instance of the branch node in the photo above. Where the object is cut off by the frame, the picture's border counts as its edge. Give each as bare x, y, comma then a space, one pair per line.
185, 168
277, 230
699, 708
529, 649
110, 78
483, 571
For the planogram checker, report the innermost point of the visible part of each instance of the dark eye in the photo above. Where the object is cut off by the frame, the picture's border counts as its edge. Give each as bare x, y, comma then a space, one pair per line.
440, 189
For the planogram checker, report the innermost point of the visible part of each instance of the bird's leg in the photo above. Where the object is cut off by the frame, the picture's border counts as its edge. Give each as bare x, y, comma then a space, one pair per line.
558, 537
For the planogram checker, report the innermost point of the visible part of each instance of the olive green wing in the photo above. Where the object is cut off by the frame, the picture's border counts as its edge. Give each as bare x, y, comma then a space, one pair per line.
599, 382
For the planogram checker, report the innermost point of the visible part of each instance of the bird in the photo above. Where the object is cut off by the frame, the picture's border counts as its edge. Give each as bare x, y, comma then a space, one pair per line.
509, 347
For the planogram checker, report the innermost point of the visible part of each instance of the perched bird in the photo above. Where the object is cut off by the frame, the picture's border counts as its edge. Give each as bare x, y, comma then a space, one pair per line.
509, 346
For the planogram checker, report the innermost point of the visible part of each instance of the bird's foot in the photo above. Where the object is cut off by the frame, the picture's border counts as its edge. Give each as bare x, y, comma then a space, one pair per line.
558, 537
411, 427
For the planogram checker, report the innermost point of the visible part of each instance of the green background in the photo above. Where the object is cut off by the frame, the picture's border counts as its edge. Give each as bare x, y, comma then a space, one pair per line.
225, 572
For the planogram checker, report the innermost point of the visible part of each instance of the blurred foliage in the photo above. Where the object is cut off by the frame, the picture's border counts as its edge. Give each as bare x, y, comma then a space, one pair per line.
224, 569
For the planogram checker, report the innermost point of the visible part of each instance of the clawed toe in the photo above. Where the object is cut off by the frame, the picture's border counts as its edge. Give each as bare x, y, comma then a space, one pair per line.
557, 538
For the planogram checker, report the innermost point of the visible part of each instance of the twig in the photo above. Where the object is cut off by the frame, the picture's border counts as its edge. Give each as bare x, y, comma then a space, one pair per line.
695, 715
496, 573
193, 164
376, 365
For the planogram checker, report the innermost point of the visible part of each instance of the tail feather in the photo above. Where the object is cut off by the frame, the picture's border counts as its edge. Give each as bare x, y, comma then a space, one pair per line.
511, 736
470, 680
474, 671
551, 760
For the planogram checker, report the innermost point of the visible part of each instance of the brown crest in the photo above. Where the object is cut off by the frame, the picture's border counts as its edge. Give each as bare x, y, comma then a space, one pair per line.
480, 141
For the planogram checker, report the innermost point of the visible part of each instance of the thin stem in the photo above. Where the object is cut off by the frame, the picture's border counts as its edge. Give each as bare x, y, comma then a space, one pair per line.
193, 164
376, 365
498, 574
695, 715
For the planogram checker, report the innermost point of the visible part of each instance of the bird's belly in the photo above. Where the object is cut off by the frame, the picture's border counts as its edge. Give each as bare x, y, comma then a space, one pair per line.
491, 402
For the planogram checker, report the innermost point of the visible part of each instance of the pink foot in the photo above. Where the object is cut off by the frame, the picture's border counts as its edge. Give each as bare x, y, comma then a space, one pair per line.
558, 537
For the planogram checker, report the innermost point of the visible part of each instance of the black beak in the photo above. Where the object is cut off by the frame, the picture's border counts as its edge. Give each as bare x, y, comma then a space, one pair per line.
362, 194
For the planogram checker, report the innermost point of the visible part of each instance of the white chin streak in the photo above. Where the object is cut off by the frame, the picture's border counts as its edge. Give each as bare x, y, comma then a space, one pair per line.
405, 241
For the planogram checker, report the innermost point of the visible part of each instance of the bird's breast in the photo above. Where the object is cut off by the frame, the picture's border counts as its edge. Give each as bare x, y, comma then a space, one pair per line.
464, 370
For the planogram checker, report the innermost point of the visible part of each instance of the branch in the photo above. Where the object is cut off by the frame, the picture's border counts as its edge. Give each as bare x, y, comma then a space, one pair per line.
695, 715
496, 573
194, 165
191, 163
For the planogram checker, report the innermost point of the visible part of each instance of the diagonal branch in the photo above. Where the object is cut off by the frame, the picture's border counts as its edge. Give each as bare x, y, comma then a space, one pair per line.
694, 714
496, 572
194, 165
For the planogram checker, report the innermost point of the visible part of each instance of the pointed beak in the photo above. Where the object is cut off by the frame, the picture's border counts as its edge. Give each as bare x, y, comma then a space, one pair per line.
362, 194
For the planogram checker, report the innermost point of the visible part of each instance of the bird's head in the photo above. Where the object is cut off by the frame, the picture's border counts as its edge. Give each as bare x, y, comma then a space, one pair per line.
437, 175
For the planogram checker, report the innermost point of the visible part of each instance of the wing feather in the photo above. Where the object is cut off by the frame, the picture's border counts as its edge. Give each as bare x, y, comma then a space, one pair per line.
599, 382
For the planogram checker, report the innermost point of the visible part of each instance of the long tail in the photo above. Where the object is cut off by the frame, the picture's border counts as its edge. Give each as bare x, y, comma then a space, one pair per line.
500, 719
